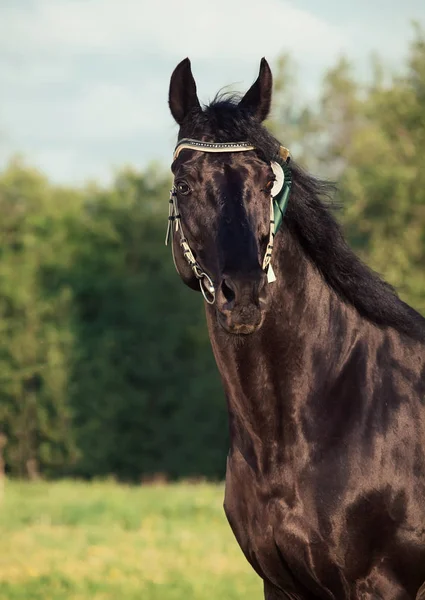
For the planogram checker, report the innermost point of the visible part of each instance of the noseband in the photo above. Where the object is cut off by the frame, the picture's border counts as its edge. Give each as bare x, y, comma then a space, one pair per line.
279, 196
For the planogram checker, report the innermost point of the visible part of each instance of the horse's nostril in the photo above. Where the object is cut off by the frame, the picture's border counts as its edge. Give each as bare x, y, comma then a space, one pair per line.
228, 292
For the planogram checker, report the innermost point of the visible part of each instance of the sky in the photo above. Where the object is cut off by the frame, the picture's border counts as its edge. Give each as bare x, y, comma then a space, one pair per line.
84, 83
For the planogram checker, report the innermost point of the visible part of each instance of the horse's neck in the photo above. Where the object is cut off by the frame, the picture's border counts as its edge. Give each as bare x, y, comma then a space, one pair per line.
304, 341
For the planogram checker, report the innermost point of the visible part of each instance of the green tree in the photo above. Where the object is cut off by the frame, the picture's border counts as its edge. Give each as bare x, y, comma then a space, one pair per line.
383, 182
144, 388
104, 355
105, 362
34, 340
369, 137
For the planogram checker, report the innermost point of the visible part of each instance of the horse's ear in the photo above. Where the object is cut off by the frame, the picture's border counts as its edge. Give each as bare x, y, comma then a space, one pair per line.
258, 98
182, 96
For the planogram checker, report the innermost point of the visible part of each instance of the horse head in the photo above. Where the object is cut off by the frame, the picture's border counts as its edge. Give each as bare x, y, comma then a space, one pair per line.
225, 195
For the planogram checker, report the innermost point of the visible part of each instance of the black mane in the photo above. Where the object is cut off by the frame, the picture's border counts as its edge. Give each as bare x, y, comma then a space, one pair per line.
320, 235
310, 219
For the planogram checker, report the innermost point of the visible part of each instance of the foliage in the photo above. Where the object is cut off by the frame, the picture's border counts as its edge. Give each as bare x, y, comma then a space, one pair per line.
103, 351
105, 362
35, 335
370, 138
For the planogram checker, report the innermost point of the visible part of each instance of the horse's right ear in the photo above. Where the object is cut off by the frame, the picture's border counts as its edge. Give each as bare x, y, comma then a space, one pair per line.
182, 96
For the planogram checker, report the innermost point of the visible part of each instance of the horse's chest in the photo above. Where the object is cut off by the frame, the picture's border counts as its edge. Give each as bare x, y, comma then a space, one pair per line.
275, 535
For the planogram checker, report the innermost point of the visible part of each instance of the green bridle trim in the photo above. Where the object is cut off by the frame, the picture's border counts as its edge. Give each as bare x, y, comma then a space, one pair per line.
280, 202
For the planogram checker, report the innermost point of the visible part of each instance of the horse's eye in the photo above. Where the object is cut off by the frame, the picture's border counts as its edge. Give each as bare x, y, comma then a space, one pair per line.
270, 184
183, 188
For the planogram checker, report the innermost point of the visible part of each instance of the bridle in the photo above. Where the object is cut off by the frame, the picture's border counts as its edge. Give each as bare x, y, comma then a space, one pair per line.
279, 195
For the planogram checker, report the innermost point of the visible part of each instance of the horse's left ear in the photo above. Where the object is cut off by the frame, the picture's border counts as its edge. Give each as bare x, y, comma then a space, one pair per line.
258, 98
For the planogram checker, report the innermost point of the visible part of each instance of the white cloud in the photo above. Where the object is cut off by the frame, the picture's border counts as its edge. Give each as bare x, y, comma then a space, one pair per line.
223, 28
107, 111
56, 102
63, 162
85, 82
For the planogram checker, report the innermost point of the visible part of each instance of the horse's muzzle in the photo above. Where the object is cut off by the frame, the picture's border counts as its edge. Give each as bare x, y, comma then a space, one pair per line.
241, 303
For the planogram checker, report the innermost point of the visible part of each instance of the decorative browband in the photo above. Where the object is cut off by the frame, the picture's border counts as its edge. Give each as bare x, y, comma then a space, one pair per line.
189, 144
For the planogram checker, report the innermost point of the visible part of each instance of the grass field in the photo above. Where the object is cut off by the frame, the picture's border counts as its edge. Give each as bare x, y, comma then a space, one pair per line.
104, 541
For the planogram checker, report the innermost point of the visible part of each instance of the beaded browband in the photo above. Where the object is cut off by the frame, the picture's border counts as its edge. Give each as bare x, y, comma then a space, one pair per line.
189, 144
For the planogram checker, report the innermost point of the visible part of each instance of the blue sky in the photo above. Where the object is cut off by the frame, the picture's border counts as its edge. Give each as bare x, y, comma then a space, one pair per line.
84, 82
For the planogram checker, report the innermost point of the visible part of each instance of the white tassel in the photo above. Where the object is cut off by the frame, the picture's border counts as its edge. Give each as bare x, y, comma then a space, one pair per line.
270, 274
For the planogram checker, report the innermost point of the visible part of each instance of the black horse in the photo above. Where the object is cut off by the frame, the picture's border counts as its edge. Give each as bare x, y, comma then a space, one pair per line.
323, 368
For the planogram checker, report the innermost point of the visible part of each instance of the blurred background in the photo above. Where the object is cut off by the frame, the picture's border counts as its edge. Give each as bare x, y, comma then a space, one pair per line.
113, 428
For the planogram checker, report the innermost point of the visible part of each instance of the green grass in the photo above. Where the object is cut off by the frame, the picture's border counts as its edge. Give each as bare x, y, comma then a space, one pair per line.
104, 541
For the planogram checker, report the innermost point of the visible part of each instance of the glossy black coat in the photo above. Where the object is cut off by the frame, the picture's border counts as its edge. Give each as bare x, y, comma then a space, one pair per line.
325, 484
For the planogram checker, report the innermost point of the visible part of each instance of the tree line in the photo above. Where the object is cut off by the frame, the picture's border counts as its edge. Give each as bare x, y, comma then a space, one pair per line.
105, 362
